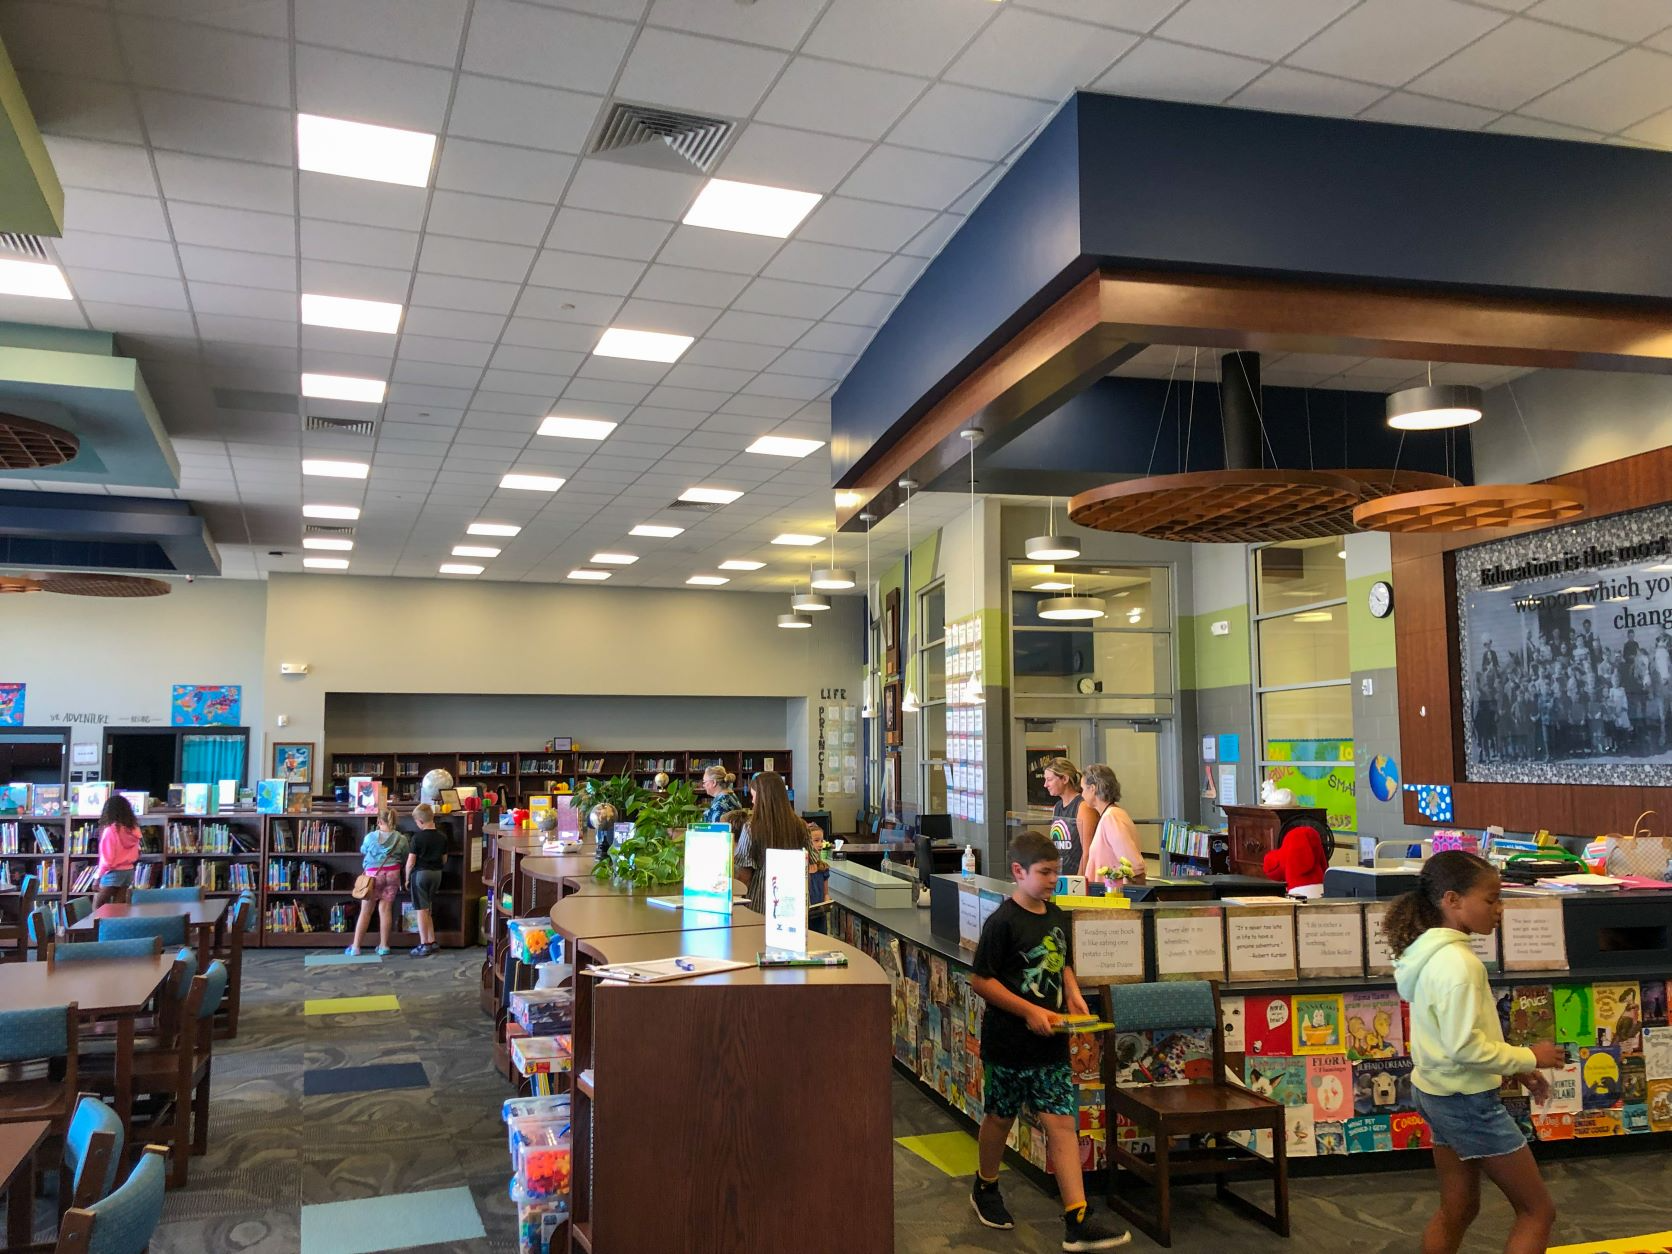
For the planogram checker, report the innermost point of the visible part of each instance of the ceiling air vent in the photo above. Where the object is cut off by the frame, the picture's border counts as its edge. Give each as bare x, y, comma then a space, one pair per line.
312, 530
662, 139
22, 245
694, 507
341, 426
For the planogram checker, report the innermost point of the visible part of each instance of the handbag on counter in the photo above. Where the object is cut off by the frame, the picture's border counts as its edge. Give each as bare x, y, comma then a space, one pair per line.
1640, 853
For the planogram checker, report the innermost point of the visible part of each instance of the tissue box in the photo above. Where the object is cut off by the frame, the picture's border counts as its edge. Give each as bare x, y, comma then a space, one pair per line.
533, 941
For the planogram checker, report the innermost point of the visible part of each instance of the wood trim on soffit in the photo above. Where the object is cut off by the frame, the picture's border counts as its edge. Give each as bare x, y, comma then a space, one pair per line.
1110, 316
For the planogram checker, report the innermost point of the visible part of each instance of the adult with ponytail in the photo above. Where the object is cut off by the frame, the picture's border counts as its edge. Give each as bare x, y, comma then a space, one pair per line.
1459, 1055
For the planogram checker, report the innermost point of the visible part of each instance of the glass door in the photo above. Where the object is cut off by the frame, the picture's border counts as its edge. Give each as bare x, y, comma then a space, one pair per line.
1043, 739
1139, 750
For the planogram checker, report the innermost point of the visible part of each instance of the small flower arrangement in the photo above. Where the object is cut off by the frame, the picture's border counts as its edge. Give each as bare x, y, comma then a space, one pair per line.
1113, 875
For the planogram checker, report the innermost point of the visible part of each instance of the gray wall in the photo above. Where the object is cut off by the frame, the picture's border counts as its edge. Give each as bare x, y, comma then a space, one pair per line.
1574, 418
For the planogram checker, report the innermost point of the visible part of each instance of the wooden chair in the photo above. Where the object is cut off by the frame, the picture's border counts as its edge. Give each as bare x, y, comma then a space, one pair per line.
1166, 1111
124, 1222
230, 950
14, 938
171, 929
92, 1152
150, 896
42, 929
39, 1051
97, 951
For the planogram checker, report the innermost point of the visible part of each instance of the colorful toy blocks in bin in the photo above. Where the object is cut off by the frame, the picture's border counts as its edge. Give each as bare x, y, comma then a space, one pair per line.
544, 1161
541, 1055
533, 941
543, 1011
538, 1219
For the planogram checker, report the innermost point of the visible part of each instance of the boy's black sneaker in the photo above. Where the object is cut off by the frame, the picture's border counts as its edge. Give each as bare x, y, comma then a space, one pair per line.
1094, 1232
989, 1205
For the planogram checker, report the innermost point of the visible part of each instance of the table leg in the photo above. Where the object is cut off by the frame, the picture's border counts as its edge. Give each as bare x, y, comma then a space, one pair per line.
125, 1075
20, 1205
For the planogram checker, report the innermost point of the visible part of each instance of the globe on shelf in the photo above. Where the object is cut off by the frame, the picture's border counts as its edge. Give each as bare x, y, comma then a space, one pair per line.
661, 781
547, 822
433, 784
602, 816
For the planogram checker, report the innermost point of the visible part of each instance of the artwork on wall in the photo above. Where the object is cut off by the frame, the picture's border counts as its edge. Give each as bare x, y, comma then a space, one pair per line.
1565, 637
205, 705
11, 704
891, 632
294, 764
893, 722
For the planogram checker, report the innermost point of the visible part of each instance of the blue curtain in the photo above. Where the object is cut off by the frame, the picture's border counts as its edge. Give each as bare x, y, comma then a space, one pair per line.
206, 759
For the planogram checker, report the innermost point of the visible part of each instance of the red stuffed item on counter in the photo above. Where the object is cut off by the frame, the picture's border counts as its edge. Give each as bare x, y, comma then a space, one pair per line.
1299, 860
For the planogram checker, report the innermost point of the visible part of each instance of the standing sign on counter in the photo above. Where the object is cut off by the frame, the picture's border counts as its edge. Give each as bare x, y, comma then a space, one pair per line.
1108, 947
1330, 938
708, 870
969, 916
1533, 936
1486, 949
786, 900
1259, 939
989, 902
1189, 943
1378, 958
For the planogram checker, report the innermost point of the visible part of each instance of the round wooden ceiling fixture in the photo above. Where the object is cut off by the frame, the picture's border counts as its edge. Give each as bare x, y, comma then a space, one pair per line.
29, 445
18, 583
1471, 507
86, 585
1240, 506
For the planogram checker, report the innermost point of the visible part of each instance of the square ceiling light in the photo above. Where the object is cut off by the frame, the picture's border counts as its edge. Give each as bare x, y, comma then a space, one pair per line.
796, 540
576, 428
709, 496
359, 150
325, 563
739, 564
329, 543
593, 575
659, 531
475, 550
642, 345
784, 446
33, 278
493, 529
531, 483
614, 559
343, 387
350, 314
752, 208
347, 513
461, 568
328, 469
708, 581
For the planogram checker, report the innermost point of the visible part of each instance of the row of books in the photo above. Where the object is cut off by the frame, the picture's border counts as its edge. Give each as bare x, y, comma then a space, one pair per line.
1186, 839
209, 838
13, 838
291, 916
45, 873
307, 877
307, 836
485, 766
363, 766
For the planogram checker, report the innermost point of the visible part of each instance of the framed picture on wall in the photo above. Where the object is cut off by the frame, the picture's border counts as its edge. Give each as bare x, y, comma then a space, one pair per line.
891, 632
293, 763
893, 726
891, 786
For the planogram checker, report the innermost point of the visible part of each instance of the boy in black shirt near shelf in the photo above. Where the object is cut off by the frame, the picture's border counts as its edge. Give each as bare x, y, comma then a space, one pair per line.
427, 855
1021, 971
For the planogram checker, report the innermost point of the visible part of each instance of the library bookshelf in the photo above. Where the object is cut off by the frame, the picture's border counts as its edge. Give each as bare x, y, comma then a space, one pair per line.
521, 774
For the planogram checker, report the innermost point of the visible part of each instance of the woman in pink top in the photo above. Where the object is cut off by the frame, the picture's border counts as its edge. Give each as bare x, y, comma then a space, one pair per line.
1116, 836
118, 850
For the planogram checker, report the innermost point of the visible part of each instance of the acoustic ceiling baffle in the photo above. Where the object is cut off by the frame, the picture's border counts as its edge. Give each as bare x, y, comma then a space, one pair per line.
81, 584
26, 444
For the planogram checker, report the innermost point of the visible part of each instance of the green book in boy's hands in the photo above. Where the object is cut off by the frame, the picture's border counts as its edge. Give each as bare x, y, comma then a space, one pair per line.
1082, 1023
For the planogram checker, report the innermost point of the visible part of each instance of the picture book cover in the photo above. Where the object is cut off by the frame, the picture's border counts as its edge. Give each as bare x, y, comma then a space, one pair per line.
1181, 1055
1657, 1053
1298, 1132
940, 983
1329, 1087
1382, 1086
1232, 1008
1635, 1117
1554, 1127
1085, 1056
14, 799
197, 798
1598, 1123
1634, 1080
1281, 1079
1330, 1138
1410, 1130
49, 800
1564, 1097
269, 796
1130, 1049
1375, 1028
1266, 1031
1575, 1021
1317, 1024
1654, 996
367, 795
1660, 1105
1532, 1015
1369, 1134
1619, 1015
1094, 1113
1501, 997
1599, 1076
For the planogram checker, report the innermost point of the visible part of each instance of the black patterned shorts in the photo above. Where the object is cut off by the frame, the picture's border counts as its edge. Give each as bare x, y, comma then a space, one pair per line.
1044, 1090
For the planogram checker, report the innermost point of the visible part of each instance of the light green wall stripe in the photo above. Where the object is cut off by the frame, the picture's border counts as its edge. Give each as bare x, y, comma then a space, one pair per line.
1217, 661
31, 198
925, 563
1370, 642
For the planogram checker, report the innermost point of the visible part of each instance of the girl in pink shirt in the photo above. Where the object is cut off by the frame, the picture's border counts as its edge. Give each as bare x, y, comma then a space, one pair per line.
119, 840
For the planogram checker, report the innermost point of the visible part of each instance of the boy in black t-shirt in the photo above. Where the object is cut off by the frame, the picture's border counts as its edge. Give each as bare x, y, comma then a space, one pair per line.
1021, 971
424, 863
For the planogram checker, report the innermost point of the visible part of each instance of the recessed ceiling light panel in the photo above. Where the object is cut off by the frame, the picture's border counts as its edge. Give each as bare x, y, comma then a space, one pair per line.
350, 314
349, 513
475, 550
492, 529
708, 581
576, 428
642, 345
328, 469
342, 387
460, 568
33, 278
325, 563
594, 575
784, 446
328, 543
531, 483
659, 531
710, 496
751, 208
359, 150
795, 539
614, 559
740, 564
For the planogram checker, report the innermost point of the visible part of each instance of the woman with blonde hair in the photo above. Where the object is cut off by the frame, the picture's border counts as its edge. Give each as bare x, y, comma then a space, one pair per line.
718, 783
1116, 836
1062, 781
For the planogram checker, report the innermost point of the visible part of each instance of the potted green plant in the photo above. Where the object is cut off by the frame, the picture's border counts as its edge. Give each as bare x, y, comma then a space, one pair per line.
655, 852
609, 801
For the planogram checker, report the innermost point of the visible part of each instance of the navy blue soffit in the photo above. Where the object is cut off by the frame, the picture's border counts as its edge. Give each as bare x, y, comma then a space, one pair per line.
1159, 186
84, 530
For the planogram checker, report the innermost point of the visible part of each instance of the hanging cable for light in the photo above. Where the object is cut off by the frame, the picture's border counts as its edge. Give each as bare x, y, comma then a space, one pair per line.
908, 703
1051, 547
832, 578
973, 692
1434, 408
869, 709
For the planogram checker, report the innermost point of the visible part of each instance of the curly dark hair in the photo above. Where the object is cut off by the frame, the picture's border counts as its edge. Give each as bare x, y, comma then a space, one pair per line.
1453, 871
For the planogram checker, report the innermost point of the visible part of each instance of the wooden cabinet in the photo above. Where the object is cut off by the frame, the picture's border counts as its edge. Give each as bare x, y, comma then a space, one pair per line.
1254, 831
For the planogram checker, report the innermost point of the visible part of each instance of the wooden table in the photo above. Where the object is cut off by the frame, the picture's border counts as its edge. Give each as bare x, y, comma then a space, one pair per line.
109, 988
18, 1143
582, 917
202, 918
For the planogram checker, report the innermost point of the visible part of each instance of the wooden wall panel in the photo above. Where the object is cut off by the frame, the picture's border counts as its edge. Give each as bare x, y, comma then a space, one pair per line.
1425, 632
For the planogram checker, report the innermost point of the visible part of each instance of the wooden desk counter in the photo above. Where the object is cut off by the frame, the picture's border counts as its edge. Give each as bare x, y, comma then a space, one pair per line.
583, 917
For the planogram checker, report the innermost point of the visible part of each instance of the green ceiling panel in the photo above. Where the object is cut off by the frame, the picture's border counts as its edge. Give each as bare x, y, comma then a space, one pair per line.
31, 198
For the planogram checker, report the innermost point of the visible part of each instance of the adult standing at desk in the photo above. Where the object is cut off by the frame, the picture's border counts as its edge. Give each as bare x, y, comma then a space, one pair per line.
1116, 836
1062, 781
718, 783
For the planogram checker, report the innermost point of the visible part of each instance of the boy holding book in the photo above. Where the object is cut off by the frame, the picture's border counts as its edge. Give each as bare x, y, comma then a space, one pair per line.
1021, 971
426, 857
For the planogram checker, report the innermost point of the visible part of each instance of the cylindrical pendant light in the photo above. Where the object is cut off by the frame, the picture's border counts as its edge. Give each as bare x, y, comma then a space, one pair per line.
808, 603
1434, 407
1051, 547
1071, 608
832, 578
796, 621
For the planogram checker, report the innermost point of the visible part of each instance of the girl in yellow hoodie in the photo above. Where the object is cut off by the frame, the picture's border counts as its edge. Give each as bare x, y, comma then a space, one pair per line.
1460, 1057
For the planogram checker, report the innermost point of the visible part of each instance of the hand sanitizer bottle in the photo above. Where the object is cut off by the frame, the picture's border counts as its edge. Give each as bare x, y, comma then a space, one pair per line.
969, 862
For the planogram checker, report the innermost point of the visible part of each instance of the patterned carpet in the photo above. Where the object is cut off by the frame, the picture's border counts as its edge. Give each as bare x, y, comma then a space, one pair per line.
277, 1150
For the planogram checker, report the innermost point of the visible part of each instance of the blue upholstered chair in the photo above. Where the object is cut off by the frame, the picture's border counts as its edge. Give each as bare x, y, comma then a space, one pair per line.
94, 951
43, 928
124, 1222
1163, 1112
230, 950
150, 896
77, 908
32, 1043
170, 928
92, 1151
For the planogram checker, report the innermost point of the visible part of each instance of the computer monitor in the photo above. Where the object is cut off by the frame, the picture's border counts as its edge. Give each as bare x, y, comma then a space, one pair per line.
935, 826
925, 859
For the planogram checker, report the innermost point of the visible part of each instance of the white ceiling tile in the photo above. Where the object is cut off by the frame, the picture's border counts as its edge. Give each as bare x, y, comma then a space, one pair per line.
1031, 54
823, 263
906, 177
692, 72
219, 128
61, 38
236, 330
469, 165
106, 167
969, 123
520, 113
586, 273
896, 275
1392, 41
222, 265
932, 238
368, 346
671, 319
470, 258
866, 309
918, 38
473, 295
707, 378
834, 337
839, 99
1662, 41
1508, 66
610, 186
548, 46
138, 320
578, 337
609, 234
1414, 110
537, 360
752, 328
56, 313
215, 227
777, 24
712, 351
427, 31
764, 406
364, 245
244, 302
213, 181
370, 89
114, 213
1301, 91
801, 300
1162, 70
366, 282
787, 158
731, 251
209, 62
827, 366
1619, 93
129, 289
1515, 124
605, 391
361, 200
453, 324
445, 351
1626, 20
252, 17
488, 218
863, 224
1133, 15
116, 252
787, 386
1268, 30
74, 106
593, 309
534, 389
691, 287
1656, 130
